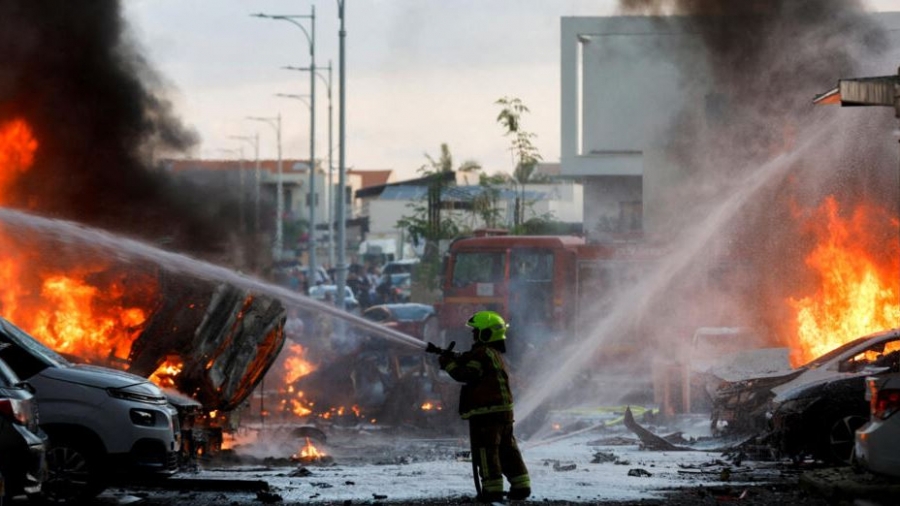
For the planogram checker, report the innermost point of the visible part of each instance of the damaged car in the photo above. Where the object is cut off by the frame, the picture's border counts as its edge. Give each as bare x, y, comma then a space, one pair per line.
812, 410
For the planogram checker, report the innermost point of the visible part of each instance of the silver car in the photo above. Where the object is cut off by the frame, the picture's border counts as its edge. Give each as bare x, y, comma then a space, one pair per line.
102, 423
878, 441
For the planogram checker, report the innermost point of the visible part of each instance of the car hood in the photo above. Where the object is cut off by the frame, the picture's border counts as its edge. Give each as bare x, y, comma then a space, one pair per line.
811, 380
93, 376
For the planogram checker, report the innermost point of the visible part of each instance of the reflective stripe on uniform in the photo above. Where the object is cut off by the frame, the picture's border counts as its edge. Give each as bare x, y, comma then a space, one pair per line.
521, 481
494, 485
486, 410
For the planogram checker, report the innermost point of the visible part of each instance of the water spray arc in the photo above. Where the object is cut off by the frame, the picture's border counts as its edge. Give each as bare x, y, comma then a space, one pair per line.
719, 216
125, 249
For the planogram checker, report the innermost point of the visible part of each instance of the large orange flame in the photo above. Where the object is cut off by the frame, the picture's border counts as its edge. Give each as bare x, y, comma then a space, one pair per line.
85, 310
858, 272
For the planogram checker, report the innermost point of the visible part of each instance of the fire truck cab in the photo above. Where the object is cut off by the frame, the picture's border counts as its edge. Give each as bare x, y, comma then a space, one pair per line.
546, 287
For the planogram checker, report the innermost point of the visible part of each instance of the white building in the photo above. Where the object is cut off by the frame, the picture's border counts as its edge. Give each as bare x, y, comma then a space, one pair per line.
621, 88
618, 91
387, 204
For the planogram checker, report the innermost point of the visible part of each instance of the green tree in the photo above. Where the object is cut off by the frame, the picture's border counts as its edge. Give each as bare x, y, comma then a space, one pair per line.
524, 153
425, 221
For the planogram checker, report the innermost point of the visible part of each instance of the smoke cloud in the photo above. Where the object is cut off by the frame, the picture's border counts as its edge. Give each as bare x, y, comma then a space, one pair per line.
99, 114
764, 61
754, 159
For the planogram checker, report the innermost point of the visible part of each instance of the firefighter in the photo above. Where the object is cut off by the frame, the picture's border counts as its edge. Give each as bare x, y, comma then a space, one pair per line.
486, 402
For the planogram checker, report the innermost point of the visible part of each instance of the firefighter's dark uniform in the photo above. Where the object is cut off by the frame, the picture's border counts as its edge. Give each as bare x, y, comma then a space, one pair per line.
486, 402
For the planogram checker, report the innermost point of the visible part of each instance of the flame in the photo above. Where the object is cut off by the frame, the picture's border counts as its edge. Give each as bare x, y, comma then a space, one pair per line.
228, 441
295, 365
858, 275
309, 452
83, 310
164, 375
17, 149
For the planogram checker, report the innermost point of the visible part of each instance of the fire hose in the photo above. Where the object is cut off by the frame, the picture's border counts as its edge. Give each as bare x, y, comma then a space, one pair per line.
476, 475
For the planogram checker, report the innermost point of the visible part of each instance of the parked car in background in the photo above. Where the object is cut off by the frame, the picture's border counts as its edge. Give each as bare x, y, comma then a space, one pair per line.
417, 320
102, 424
394, 288
878, 441
400, 266
22, 443
323, 293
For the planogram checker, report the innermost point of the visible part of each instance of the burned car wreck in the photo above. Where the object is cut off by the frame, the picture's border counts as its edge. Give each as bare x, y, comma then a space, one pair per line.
815, 409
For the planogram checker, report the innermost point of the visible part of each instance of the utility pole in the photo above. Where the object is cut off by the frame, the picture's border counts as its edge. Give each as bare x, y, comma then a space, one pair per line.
311, 39
330, 193
341, 270
278, 247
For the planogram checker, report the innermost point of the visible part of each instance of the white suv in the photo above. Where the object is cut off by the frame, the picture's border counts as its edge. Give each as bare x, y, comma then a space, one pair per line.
103, 424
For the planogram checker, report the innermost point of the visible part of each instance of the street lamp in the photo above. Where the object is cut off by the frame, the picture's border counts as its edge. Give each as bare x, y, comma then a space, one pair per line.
341, 270
311, 196
278, 247
311, 39
330, 192
254, 141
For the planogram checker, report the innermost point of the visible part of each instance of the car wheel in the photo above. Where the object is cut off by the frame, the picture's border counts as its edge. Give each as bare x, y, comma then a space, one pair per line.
72, 473
842, 436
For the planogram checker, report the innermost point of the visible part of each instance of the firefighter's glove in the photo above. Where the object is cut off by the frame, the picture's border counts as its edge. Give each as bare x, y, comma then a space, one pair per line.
445, 359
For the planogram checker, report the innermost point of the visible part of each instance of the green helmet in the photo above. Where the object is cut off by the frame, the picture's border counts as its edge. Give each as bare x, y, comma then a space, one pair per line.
490, 325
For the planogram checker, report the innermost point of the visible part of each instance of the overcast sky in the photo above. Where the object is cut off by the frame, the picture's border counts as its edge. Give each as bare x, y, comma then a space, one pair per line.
419, 73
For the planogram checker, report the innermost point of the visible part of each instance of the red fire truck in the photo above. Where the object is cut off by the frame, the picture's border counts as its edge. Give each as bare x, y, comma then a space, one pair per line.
546, 287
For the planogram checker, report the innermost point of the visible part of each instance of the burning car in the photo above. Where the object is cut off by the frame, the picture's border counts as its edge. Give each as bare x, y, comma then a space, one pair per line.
813, 409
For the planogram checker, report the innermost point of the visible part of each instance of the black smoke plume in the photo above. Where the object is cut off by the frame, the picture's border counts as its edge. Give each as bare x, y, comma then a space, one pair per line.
99, 114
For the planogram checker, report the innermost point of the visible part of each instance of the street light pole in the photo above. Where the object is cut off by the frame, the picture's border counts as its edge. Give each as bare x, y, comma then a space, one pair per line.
330, 193
311, 38
305, 99
278, 247
253, 141
341, 270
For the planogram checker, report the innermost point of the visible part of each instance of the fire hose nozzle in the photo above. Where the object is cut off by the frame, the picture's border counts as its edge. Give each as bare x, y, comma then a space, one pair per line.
437, 350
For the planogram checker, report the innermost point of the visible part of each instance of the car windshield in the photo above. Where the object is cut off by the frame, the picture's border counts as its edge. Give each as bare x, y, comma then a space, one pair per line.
411, 312
400, 279
25, 354
481, 267
821, 360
